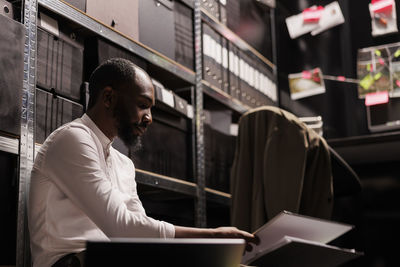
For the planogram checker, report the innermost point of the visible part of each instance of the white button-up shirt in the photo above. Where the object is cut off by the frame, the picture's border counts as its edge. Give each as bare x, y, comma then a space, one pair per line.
83, 189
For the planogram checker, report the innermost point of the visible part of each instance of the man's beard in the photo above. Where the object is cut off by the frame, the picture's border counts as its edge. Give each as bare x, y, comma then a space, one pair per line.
125, 128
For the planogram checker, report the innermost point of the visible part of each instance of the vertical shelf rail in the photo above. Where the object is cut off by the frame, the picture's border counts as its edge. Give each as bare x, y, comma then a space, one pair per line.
200, 215
274, 52
27, 130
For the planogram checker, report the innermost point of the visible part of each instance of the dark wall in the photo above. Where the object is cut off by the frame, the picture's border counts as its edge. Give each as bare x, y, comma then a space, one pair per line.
335, 52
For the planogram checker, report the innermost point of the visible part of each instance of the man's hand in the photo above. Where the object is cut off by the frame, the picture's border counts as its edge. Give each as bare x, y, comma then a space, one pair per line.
220, 232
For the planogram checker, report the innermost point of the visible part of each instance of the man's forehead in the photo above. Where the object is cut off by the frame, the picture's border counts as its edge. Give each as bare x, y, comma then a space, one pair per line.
144, 86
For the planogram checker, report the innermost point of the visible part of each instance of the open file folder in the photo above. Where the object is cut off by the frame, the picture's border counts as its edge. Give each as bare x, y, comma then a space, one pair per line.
295, 240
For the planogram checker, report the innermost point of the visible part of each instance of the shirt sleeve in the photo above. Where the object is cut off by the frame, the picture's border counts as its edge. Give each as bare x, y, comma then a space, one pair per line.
73, 164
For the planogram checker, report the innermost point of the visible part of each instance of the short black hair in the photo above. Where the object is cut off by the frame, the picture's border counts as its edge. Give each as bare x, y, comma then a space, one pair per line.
115, 72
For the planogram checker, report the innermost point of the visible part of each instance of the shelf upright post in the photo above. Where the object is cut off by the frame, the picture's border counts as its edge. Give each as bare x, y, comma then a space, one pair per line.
200, 204
274, 51
27, 130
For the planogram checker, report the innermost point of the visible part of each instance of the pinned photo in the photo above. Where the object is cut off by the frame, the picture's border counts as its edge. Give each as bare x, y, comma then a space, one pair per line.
306, 84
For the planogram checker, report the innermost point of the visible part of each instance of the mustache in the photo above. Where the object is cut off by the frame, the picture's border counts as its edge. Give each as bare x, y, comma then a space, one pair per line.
141, 124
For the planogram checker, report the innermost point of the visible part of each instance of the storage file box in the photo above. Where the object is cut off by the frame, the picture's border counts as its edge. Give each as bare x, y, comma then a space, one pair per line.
60, 62
219, 150
8, 207
12, 36
184, 39
157, 25
102, 50
123, 17
52, 112
166, 146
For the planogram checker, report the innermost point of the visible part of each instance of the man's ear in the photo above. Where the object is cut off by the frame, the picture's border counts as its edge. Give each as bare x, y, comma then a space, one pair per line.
108, 97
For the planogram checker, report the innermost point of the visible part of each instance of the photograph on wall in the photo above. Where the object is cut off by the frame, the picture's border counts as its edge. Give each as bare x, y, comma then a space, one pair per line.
383, 17
373, 70
306, 84
378, 69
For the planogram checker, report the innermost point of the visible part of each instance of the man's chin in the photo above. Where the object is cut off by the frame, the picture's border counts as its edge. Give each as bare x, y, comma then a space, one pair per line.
133, 142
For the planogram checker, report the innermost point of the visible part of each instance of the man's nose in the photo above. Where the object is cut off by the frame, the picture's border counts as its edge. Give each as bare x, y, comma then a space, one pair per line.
147, 118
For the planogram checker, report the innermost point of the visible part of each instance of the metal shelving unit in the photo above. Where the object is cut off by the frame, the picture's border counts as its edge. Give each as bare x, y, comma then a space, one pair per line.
165, 182
234, 38
218, 197
224, 98
25, 146
97, 27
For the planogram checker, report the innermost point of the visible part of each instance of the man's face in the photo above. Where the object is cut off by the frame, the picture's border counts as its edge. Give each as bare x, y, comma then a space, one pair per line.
132, 112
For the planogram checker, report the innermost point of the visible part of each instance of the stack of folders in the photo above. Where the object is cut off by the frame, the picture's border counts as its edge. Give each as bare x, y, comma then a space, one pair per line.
172, 100
295, 240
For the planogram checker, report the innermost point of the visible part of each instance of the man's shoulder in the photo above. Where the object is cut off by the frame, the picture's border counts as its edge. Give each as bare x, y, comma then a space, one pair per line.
74, 130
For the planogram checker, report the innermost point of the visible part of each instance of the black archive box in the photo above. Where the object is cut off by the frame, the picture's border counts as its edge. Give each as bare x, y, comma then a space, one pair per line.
52, 112
12, 36
166, 146
102, 50
219, 150
8, 207
157, 25
184, 39
60, 62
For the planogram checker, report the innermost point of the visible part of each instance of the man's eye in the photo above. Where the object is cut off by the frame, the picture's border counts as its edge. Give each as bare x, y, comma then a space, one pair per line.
143, 106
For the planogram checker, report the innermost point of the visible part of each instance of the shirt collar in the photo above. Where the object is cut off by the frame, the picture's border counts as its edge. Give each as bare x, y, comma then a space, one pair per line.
104, 140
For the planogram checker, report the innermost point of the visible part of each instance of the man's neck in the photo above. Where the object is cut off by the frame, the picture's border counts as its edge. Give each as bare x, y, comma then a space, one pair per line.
105, 124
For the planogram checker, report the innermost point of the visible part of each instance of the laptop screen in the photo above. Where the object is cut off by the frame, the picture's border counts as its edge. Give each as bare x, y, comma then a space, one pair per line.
165, 252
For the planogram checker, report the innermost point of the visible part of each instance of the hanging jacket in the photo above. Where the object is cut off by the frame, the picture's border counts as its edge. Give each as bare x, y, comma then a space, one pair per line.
280, 164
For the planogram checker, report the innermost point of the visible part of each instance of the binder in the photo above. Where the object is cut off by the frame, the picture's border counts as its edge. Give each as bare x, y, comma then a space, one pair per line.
157, 26
291, 239
208, 51
60, 62
225, 65
12, 38
52, 111
233, 61
219, 150
184, 39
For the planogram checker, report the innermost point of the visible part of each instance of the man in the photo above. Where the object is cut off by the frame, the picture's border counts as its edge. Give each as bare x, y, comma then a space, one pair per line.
82, 188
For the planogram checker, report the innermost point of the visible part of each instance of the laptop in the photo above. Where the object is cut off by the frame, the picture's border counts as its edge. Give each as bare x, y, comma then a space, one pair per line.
149, 252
